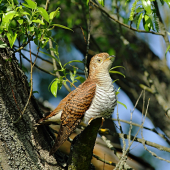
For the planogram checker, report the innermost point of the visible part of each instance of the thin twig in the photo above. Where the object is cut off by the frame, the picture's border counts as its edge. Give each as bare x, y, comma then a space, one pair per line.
102, 160
152, 153
31, 88
35, 55
48, 72
20, 53
130, 129
110, 146
153, 130
114, 134
88, 43
124, 157
47, 62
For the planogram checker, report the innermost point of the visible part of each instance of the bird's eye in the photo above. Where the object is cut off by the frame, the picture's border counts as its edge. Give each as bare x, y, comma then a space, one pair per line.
99, 60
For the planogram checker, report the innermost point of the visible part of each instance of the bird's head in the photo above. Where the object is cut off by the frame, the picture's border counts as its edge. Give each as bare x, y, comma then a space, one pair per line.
100, 63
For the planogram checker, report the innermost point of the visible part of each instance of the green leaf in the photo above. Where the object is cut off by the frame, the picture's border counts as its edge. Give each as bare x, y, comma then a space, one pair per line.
2, 44
20, 21
147, 23
133, 10
72, 62
30, 4
117, 72
87, 2
49, 55
81, 79
72, 76
54, 87
122, 104
156, 21
54, 13
39, 21
117, 92
8, 16
139, 9
43, 13
35, 92
27, 11
101, 2
115, 80
167, 49
147, 6
62, 26
31, 29
139, 20
116, 67
11, 38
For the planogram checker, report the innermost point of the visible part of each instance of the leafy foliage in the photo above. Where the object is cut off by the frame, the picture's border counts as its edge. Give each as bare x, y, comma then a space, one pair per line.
133, 10
27, 22
146, 12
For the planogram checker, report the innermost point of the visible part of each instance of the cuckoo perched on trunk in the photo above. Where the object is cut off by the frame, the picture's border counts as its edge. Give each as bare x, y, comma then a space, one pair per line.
92, 99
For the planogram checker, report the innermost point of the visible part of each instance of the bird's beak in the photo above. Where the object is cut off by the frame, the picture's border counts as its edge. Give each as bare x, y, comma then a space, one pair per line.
112, 58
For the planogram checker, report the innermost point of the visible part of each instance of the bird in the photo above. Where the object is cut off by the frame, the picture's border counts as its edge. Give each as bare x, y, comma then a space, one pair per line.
94, 98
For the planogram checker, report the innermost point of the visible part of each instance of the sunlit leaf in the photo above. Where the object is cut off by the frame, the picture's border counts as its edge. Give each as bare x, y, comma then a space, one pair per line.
147, 6
8, 16
54, 13
11, 38
39, 21
132, 13
117, 67
49, 55
43, 13
81, 79
62, 26
139, 9
20, 21
72, 62
117, 92
115, 80
72, 76
87, 2
139, 20
122, 104
101, 2
167, 50
147, 23
30, 4
117, 72
54, 87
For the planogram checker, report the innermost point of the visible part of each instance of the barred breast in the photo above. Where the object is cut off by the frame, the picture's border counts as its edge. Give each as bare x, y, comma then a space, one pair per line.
103, 103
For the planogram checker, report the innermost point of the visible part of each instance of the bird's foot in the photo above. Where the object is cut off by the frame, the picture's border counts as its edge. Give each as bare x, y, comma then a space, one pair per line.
94, 118
102, 121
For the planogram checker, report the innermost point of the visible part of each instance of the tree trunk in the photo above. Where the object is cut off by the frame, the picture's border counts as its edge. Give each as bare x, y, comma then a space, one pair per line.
22, 146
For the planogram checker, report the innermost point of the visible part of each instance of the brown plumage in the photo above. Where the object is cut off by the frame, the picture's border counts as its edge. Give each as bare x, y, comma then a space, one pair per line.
84, 102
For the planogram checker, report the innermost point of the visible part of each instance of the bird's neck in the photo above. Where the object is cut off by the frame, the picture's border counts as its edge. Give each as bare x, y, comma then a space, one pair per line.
103, 79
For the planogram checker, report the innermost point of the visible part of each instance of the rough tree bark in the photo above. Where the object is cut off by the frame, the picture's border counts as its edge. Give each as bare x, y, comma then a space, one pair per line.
22, 146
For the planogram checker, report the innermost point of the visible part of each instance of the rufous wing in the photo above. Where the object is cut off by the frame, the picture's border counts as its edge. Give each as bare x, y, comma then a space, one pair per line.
74, 111
56, 111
